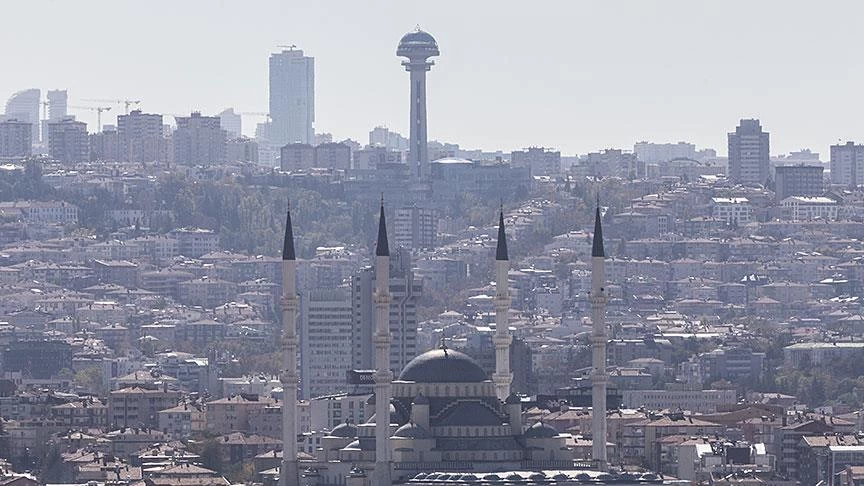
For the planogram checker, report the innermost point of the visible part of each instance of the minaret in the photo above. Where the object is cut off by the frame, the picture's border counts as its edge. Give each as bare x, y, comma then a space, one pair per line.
598, 346
383, 375
290, 471
502, 376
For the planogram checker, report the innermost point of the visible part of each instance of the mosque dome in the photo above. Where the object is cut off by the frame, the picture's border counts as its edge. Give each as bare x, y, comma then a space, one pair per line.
540, 431
345, 431
412, 431
443, 366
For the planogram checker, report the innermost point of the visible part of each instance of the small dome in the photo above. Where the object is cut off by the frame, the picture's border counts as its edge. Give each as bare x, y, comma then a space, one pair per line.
540, 431
443, 366
512, 399
346, 431
412, 431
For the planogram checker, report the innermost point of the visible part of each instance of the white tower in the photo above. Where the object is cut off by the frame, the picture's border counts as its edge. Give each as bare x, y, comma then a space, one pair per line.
502, 376
290, 379
418, 47
598, 346
383, 374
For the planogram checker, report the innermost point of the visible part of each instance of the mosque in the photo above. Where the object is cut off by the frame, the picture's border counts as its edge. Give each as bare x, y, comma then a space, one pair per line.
448, 421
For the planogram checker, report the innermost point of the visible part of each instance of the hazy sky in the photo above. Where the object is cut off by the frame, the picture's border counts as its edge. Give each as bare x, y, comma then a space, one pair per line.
575, 75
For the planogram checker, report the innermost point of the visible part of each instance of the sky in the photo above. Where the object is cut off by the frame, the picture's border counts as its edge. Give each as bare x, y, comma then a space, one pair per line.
575, 75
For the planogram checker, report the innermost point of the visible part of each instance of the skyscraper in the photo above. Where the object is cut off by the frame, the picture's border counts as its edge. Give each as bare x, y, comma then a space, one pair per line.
292, 97
418, 47
325, 340
24, 106
57, 103
231, 122
749, 153
847, 164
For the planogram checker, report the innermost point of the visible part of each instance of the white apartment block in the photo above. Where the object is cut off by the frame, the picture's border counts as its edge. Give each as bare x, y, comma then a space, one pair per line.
731, 210
43, 211
702, 401
802, 208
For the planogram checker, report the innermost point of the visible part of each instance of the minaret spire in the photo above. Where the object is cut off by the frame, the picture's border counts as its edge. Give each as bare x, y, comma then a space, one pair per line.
383, 375
502, 376
599, 377
290, 473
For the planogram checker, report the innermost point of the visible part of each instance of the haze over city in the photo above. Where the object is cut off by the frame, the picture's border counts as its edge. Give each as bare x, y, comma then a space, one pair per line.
577, 76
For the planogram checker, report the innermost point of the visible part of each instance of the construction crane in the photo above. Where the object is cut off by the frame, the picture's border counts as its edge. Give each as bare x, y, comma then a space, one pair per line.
98, 110
126, 103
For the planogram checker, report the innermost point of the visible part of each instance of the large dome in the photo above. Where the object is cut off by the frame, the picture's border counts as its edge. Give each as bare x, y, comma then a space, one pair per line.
443, 366
417, 43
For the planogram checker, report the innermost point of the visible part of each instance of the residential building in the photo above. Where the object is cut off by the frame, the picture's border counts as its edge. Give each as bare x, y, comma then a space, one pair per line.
231, 414
798, 180
141, 137
405, 290
653, 153
68, 141
847, 164
43, 211
182, 421
731, 210
415, 227
292, 97
749, 153
383, 137
370, 157
333, 155
241, 150
194, 242
297, 156
539, 160
804, 208
16, 138
139, 407
199, 140
105, 145
703, 401
325, 337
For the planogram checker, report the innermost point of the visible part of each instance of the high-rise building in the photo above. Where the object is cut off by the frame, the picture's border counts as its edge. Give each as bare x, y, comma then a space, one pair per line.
847, 164
105, 145
653, 153
749, 153
24, 106
798, 180
415, 227
57, 104
68, 140
232, 123
418, 47
140, 136
333, 155
405, 290
325, 340
199, 140
292, 97
297, 156
16, 138
538, 160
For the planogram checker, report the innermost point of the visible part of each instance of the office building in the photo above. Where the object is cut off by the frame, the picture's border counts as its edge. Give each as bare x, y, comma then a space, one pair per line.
140, 136
199, 140
798, 180
16, 138
297, 156
847, 164
292, 97
325, 337
333, 155
415, 227
231, 122
68, 141
418, 47
749, 153
538, 160
24, 106
405, 290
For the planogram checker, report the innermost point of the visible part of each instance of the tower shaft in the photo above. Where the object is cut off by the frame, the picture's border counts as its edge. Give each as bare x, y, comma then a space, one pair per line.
419, 149
502, 376
599, 377
289, 377
383, 374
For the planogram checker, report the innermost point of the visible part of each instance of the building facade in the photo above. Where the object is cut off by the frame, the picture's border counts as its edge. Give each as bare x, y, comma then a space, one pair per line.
68, 141
415, 227
798, 180
325, 337
140, 137
749, 153
292, 97
16, 138
199, 140
539, 160
847, 164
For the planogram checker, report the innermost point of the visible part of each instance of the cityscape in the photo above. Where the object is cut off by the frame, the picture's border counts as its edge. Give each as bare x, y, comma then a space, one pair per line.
184, 303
